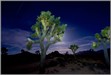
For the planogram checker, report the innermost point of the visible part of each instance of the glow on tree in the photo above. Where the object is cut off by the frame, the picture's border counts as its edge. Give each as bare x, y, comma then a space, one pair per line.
47, 27
103, 39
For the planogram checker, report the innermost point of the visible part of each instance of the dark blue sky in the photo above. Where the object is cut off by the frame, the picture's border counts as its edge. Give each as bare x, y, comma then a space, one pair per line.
84, 19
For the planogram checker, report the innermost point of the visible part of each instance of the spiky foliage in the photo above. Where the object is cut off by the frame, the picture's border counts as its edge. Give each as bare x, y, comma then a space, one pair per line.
73, 47
47, 27
104, 39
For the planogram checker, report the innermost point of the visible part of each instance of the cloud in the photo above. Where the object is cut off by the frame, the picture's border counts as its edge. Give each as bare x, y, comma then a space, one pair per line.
84, 43
84, 40
61, 43
87, 44
14, 39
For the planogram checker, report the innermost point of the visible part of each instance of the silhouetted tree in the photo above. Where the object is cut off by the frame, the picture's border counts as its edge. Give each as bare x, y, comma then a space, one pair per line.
92, 50
66, 53
23, 51
37, 52
4, 51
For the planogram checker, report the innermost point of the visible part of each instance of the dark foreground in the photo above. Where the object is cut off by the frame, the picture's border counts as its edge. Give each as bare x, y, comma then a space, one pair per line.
56, 63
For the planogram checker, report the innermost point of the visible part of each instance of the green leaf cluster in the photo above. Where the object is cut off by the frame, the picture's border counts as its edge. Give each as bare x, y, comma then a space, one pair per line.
103, 37
29, 43
48, 26
73, 47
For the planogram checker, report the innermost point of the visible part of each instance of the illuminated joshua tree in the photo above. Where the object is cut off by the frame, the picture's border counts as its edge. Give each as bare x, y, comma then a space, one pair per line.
104, 39
73, 47
47, 28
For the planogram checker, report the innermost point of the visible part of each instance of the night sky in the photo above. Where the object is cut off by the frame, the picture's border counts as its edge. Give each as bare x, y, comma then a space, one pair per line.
84, 19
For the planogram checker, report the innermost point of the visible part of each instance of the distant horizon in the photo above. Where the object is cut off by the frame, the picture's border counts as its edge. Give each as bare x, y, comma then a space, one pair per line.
58, 51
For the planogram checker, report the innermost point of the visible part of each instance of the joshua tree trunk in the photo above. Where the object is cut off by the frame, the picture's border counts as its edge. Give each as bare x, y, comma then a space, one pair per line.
42, 62
106, 54
74, 55
42, 58
43, 55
